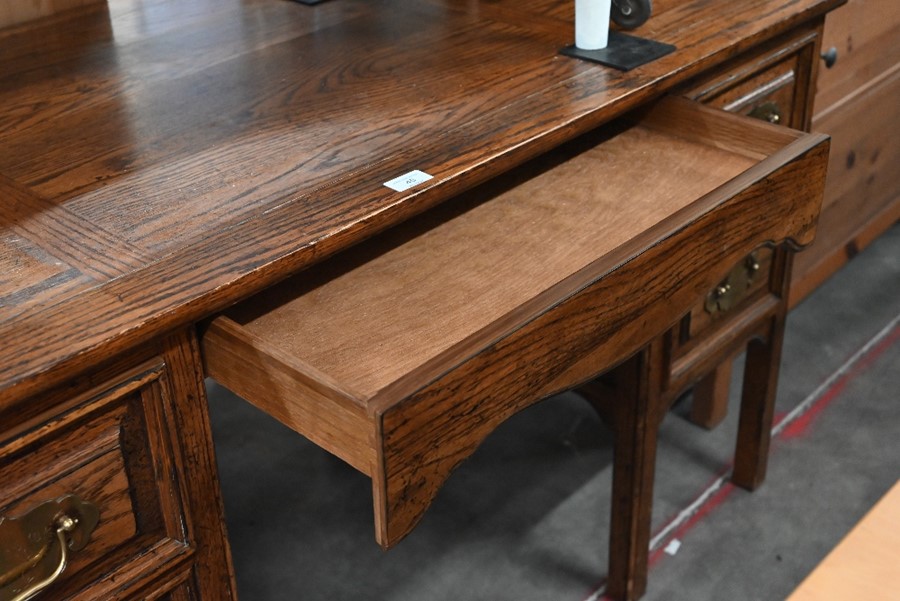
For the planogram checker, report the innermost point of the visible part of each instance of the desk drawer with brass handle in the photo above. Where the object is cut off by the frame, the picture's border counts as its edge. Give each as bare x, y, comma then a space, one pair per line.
773, 83
744, 284
88, 510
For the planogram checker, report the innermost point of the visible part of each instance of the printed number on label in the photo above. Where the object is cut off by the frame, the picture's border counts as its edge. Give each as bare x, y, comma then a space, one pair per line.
408, 180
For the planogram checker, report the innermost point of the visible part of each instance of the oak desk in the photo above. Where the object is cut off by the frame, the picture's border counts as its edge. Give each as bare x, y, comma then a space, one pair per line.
161, 161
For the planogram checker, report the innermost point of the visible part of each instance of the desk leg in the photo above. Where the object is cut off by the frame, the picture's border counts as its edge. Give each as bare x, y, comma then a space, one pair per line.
213, 575
757, 408
637, 414
760, 384
710, 404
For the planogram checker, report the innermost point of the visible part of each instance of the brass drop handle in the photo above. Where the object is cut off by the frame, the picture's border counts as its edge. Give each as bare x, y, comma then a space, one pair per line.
63, 525
67, 521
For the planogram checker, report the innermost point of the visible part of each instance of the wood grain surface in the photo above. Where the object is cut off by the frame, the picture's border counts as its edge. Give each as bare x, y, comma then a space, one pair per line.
864, 33
162, 160
228, 144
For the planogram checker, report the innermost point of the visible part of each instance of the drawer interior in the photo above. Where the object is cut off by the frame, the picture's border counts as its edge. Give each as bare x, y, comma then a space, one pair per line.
378, 311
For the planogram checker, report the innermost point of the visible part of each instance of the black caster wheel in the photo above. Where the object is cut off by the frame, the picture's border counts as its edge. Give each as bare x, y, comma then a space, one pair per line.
631, 14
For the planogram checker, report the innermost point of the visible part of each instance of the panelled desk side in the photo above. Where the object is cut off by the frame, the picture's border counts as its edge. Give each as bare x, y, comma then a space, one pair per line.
156, 168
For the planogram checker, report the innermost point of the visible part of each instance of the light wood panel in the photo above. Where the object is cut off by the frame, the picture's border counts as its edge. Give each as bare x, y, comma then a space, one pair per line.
866, 152
865, 564
288, 389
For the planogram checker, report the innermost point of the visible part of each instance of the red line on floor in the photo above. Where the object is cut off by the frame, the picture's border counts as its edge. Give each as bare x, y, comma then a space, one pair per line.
708, 507
802, 423
799, 426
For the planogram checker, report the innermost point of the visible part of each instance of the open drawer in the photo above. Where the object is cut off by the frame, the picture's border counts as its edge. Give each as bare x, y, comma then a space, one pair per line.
402, 354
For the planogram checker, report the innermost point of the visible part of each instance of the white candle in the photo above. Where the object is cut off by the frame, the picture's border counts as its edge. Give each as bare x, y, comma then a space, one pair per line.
591, 24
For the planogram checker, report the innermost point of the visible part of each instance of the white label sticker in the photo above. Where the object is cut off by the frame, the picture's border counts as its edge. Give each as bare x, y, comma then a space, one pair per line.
673, 546
408, 180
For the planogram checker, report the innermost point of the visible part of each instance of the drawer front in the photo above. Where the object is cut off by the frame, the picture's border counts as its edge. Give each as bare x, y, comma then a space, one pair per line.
768, 95
743, 285
102, 451
772, 83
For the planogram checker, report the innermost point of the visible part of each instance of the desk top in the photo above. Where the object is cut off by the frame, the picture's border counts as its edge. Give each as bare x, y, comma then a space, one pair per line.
160, 160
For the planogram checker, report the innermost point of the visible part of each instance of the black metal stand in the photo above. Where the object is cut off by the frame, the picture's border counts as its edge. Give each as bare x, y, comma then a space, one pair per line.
624, 52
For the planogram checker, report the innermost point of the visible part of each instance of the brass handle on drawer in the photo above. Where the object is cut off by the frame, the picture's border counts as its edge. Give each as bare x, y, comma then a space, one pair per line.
767, 111
64, 525
732, 288
68, 521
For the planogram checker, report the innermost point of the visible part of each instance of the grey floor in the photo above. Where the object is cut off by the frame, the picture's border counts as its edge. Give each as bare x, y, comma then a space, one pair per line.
527, 517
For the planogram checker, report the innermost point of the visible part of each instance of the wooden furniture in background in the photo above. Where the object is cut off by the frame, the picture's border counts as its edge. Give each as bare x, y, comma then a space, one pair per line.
13, 12
864, 564
856, 103
159, 166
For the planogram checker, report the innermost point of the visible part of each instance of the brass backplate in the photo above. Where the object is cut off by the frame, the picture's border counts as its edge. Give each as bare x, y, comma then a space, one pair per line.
28, 541
734, 287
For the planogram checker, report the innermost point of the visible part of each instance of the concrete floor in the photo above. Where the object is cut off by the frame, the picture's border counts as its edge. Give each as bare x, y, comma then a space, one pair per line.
527, 517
